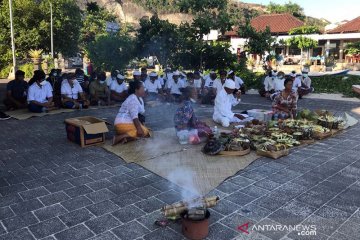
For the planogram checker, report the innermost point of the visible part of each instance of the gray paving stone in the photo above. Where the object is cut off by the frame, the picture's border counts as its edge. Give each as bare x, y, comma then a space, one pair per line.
146, 192
105, 236
323, 225
343, 204
252, 175
340, 236
241, 181
76, 203
228, 187
150, 205
169, 197
118, 170
78, 232
103, 208
283, 176
101, 195
128, 214
319, 236
163, 185
139, 182
100, 175
4, 191
37, 183
50, 212
269, 203
59, 186
81, 164
218, 231
234, 220
26, 206
19, 221
355, 217
10, 199
75, 217
254, 212
333, 214
99, 167
254, 191
125, 199
267, 184
287, 191
226, 207
80, 172
53, 198
78, 181
102, 224
2, 230
47, 227
163, 234
34, 193
239, 198
5, 212
78, 191
21, 234
99, 184
59, 177
131, 230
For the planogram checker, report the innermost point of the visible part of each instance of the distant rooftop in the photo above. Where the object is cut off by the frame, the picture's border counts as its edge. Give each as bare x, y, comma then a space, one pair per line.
279, 24
352, 26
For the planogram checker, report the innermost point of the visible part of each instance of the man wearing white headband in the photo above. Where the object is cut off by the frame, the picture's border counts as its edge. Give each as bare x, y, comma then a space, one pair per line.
137, 75
239, 83
296, 81
305, 87
174, 87
153, 87
118, 89
223, 103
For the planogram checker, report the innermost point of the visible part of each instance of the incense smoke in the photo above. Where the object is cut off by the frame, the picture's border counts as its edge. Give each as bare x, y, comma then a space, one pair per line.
185, 177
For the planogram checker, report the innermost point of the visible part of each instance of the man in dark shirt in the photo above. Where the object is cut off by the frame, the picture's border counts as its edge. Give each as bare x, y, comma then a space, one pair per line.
16, 92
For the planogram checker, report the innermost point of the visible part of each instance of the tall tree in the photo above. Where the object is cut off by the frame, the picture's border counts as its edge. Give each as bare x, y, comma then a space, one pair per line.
289, 7
32, 27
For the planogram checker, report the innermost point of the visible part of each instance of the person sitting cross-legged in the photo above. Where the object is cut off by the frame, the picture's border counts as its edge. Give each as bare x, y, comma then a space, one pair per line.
224, 101
174, 86
153, 87
40, 97
118, 89
185, 119
99, 91
16, 92
128, 122
72, 94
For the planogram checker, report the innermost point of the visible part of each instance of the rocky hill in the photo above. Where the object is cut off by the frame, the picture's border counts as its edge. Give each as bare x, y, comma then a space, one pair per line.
131, 11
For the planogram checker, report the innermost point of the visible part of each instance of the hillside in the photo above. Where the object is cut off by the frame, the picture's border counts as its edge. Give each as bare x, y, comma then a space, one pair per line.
131, 11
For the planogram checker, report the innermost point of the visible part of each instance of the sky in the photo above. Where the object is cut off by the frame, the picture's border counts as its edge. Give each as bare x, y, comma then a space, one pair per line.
332, 10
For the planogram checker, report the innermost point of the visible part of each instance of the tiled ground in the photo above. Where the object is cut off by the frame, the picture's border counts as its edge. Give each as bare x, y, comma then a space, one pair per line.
53, 189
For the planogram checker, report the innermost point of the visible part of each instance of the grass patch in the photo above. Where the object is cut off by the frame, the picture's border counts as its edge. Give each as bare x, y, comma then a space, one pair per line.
336, 84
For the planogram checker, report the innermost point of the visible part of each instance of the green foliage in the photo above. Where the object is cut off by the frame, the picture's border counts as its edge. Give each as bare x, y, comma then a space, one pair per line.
195, 6
32, 27
258, 41
336, 84
302, 42
4, 73
159, 6
94, 23
293, 8
304, 30
156, 37
28, 68
110, 52
352, 48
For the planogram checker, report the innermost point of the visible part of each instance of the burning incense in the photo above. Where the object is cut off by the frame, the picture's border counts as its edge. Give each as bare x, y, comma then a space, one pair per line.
177, 208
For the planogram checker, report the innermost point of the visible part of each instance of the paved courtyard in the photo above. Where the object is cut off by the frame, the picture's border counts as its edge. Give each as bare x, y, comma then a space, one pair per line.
53, 189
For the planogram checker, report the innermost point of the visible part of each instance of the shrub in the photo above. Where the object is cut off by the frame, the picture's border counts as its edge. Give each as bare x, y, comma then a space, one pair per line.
336, 84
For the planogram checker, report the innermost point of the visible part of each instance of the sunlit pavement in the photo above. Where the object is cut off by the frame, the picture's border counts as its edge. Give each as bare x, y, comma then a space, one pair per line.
53, 189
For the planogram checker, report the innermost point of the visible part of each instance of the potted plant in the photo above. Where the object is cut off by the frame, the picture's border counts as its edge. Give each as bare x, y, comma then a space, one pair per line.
329, 63
36, 57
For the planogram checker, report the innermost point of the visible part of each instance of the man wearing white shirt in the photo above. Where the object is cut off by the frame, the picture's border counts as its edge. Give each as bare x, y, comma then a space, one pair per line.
118, 89
40, 97
219, 82
174, 87
153, 86
305, 87
72, 94
224, 101
278, 84
112, 78
137, 75
209, 92
268, 88
296, 81
239, 83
